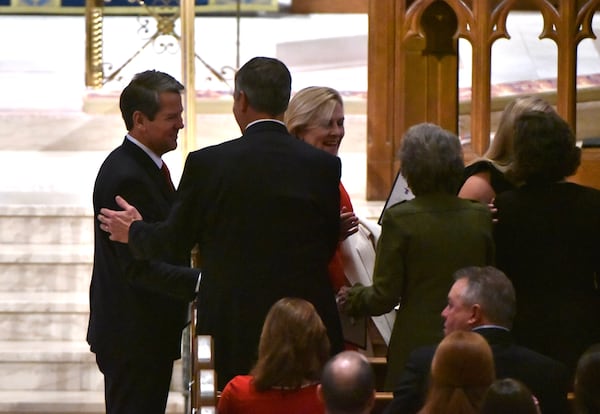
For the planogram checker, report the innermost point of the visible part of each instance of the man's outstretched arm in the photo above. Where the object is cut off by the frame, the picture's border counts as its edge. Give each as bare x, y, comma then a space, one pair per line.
117, 223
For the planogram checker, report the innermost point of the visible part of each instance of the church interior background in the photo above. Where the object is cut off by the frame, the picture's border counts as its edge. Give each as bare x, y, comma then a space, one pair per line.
55, 132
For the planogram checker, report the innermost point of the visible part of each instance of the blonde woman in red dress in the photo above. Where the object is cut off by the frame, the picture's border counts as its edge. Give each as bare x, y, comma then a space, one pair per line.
316, 116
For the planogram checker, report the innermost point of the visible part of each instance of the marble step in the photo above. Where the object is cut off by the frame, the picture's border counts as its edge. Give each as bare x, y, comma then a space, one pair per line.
68, 402
56, 366
43, 316
48, 366
46, 224
45, 267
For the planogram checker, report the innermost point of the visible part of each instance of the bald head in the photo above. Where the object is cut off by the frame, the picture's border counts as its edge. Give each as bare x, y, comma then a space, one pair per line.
348, 384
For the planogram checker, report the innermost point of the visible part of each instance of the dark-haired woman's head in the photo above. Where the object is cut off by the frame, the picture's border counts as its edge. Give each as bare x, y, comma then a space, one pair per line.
508, 395
545, 148
587, 382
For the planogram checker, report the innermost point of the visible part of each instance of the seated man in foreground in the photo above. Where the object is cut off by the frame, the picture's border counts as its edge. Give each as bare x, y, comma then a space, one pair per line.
483, 300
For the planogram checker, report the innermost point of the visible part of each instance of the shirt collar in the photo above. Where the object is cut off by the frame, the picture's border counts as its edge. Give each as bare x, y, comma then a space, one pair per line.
264, 120
157, 160
491, 326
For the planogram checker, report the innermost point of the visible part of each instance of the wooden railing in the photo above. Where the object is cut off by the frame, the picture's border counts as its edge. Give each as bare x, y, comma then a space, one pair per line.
202, 386
203, 381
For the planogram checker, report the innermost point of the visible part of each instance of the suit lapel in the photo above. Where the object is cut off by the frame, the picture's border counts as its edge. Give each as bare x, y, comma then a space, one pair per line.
155, 174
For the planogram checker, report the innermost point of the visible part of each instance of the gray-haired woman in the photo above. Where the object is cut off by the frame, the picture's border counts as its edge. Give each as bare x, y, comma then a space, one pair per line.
423, 242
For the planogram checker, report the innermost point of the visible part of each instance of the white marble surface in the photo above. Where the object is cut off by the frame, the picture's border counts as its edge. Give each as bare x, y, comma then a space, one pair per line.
46, 253
44, 302
51, 376
69, 402
45, 229
59, 83
43, 316
58, 172
43, 326
55, 351
45, 277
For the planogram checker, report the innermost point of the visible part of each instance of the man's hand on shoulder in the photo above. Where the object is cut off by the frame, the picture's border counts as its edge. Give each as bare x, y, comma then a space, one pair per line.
117, 223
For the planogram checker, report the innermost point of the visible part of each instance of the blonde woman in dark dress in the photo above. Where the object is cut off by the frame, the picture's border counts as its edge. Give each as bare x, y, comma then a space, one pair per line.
490, 175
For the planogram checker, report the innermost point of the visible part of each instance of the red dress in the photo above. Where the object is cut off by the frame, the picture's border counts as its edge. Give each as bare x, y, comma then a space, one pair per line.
240, 397
336, 265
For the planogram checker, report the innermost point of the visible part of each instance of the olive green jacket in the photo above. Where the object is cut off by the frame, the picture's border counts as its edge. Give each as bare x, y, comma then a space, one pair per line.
423, 242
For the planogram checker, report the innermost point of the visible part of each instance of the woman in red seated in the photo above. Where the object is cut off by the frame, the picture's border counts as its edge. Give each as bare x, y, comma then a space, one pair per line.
292, 351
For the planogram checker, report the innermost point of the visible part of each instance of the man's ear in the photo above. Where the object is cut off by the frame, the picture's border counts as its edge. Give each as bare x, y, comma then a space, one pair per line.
371, 402
243, 101
476, 315
138, 119
320, 393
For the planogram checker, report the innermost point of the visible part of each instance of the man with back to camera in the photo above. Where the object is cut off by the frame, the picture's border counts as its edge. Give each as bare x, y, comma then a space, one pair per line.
347, 384
482, 299
138, 308
264, 210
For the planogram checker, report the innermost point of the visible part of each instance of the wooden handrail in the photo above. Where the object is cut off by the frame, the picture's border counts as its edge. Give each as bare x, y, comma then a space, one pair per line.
203, 383
203, 377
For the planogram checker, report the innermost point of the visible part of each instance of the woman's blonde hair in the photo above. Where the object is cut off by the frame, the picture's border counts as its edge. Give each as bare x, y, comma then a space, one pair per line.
461, 371
501, 151
293, 347
310, 107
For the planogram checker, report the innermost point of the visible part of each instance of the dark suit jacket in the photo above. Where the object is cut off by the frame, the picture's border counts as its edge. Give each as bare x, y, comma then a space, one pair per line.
264, 210
546, 377
137, 308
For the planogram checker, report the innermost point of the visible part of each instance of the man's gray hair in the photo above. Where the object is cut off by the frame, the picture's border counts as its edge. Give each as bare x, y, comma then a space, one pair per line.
492, 290
431, 160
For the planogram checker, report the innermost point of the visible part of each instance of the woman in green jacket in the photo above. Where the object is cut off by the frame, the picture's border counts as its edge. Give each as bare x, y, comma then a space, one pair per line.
423, 242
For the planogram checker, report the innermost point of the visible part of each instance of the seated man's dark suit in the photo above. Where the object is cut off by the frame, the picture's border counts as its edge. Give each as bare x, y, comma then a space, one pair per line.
264, 210
546, 377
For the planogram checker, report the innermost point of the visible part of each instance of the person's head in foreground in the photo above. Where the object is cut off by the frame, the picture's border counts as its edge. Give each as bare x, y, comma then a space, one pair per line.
348, 384
587, 382
462, 369
293, 346
509, 396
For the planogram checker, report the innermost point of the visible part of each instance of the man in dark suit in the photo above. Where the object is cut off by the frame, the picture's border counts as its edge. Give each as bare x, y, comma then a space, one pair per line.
482, 299
138, 308
264, 210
